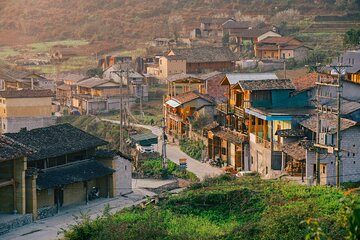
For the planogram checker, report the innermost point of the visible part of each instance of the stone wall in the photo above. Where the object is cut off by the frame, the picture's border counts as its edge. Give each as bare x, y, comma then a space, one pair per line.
20, 221
46, 212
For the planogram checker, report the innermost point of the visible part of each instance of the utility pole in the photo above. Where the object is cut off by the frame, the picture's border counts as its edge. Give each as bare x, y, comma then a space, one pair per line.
318, 122
141, 100
163, 155
339, 69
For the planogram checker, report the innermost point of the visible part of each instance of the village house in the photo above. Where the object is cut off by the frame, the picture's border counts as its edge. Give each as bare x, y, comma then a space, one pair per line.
228, 140
350, 137
25, 109
30, 81
94, 95
108, 61
281, 48
12, 176
125, 75
186, 101
352, 59
65, 168
213, 26
196, 60
241, 40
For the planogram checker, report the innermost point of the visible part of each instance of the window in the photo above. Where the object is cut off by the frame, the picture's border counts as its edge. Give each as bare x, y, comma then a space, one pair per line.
267, 170
323, 169
223, 151
252, 160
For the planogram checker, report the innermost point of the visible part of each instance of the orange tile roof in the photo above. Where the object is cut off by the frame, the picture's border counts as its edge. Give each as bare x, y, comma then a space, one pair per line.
305, 82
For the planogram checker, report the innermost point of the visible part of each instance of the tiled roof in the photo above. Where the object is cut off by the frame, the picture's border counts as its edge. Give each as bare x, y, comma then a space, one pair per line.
71, 173
64, 87
331, 121
190, 96
205, 54
348, 107
250, 33
214, 89
230, 136
56, 140
290, 133
26, 93
295, 150
93, 82
241, 25
269, 84
183, 76
9, 149
279, 40
306, 82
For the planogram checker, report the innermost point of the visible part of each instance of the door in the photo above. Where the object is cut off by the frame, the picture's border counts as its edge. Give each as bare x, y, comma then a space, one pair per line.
59, 196
323, 174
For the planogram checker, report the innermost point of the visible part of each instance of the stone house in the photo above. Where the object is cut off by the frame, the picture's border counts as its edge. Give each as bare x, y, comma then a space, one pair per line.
12, 176
25, 109
213, 26
64, 168
281, 48
125, 75
241, 40
30, 81
350, 137
196, 61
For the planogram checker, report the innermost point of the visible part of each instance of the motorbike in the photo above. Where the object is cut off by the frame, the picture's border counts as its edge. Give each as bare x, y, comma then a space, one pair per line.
94, 193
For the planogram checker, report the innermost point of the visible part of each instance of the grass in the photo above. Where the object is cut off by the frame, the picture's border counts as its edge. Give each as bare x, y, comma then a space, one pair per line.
45, 46
7, 52
227, 208
74, 63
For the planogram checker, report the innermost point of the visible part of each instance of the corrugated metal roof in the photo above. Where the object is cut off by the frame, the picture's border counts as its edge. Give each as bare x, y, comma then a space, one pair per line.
236, 77
173, 103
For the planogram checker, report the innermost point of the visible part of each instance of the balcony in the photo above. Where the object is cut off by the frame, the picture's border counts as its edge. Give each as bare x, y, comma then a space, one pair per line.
239, 112
225, 108
266, 143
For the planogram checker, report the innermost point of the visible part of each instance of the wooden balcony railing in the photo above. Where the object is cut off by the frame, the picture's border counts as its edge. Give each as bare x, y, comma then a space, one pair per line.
267, 144
239, 111
225, 108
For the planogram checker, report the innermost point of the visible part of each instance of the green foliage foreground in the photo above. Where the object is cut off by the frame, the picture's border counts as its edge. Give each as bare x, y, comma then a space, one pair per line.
229, 208
153, 168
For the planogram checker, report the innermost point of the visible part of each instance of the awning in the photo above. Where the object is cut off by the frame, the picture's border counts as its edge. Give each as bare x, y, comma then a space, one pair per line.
146, 139
173, 103
71, 173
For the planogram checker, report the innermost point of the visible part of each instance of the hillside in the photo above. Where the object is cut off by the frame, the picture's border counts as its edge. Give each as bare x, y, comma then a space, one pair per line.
229, 208
128, 23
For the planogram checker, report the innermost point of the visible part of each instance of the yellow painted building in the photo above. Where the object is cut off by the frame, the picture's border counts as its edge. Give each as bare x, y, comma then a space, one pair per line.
171, 65
25, 108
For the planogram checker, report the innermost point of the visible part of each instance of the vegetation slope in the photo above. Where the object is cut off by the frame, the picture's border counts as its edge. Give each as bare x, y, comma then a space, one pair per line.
130, 22
229, 208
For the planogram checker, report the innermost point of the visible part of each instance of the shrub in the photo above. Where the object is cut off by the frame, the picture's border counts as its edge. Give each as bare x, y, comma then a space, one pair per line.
192, 148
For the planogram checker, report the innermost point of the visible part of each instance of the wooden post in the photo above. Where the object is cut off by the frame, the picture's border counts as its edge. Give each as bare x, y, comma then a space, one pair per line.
265, 128
14, 187
213, 148
250, 123
256, 128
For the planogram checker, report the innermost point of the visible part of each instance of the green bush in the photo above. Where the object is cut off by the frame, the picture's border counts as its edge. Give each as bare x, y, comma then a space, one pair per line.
153, 168
192, 148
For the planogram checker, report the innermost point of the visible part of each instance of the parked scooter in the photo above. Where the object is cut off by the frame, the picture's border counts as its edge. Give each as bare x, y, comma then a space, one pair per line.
94, 193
